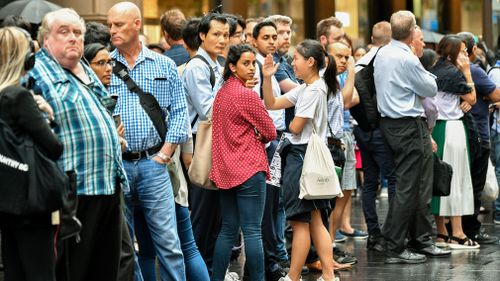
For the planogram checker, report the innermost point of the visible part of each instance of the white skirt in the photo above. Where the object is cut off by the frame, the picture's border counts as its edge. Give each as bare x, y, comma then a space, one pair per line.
460, 202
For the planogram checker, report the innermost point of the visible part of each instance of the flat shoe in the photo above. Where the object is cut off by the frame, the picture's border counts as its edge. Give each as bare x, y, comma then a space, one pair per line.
462, 243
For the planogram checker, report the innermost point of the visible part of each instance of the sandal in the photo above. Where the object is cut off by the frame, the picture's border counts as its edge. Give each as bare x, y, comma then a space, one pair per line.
340, 267
462, 243
444, 242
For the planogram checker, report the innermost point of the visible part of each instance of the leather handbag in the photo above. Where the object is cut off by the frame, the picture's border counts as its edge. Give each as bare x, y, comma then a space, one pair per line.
442, 177
200, 167
336, 148
319, 178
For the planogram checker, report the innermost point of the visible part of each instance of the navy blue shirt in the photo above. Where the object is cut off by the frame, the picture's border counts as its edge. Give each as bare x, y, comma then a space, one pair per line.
284, 71
484, 86
178, 54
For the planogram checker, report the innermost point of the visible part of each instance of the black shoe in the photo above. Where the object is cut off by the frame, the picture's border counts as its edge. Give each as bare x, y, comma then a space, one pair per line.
404, 257
375, 243
484, 238
433, 251
343, 257
304, 270
276, 275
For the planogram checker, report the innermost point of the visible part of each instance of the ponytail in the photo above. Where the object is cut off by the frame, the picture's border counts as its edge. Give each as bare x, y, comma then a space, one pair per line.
330, 75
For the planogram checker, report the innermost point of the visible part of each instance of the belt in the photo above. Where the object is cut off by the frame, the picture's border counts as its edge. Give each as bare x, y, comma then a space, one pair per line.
138, 155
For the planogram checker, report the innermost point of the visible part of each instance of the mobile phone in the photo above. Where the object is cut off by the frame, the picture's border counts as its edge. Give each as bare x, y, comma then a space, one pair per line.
117, 119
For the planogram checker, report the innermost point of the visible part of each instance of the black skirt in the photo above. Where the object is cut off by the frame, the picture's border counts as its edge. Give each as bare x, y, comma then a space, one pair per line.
292, 160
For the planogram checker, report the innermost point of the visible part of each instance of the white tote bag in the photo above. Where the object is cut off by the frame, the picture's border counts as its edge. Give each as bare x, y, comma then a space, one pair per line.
318, 179
490, 191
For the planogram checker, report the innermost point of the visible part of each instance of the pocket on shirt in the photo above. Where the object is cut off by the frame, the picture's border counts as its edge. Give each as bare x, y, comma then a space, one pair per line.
67, 93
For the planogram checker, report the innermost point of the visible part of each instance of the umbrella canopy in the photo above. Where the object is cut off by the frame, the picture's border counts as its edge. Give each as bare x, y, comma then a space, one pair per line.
32, 10
431, 36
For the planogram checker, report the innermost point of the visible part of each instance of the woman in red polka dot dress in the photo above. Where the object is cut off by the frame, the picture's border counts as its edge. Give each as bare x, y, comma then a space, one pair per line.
241, 127
310, 101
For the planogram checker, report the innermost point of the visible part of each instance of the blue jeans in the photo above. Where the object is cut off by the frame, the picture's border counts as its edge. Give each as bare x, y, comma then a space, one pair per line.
376, 161
150, 189
195, 265
495, 158
242, 206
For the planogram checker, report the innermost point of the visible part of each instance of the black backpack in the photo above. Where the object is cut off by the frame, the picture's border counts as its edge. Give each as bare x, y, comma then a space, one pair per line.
366, 112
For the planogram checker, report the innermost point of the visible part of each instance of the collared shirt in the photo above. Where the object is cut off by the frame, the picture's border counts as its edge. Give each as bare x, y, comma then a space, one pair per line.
285, 70
236, 154
157, 75
278, 116
199, 92
400, 81
178, 54
87, 130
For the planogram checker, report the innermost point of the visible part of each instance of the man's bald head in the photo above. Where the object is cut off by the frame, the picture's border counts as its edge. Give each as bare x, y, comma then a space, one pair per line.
126, 8
341, 53
381, 33
124, 21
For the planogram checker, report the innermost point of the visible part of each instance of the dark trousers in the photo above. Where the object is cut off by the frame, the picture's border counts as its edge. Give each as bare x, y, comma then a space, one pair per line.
97, 255
409, 212
126, 270
479, 166
376, 160
205, 218
28, 252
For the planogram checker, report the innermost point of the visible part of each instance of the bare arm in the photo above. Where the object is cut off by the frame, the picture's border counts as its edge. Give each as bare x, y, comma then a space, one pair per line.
297, 124
348, 90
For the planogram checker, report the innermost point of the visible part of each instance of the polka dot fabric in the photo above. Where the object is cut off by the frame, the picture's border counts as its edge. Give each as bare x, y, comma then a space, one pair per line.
236, 153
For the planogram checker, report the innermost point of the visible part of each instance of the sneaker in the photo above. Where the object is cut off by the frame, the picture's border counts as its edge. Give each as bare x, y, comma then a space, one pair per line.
375, 242
356, 234
497, 219
334, 279
485, 238
286, 278
339, 237
343, 257
276, 275
406, 256
231, 276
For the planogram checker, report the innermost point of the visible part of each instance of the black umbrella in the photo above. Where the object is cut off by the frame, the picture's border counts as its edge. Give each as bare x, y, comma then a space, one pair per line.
32, 10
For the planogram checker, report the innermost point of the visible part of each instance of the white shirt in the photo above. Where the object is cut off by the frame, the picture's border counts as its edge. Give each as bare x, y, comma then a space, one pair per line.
278, 116
448, 106
310, 102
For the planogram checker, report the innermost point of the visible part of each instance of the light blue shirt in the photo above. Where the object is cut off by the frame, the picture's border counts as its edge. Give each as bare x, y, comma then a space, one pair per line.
401, 81
199, 93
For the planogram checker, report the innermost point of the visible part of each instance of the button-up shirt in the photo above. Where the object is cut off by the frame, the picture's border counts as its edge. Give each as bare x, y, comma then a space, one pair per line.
199, 92
400, 81
157, 75
278, 116
87, 130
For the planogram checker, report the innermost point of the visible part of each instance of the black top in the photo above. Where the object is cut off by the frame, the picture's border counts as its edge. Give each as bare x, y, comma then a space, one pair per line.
20, 111
449, 78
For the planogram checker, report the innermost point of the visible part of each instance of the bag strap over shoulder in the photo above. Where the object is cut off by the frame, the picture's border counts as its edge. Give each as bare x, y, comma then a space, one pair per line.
212, 80
121, 71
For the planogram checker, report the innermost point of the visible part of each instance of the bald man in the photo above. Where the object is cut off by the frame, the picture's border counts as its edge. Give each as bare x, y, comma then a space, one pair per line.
149, 149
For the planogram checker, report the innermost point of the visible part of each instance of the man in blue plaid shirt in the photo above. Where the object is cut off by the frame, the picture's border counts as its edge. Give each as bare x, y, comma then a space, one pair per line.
91, 145
146, 156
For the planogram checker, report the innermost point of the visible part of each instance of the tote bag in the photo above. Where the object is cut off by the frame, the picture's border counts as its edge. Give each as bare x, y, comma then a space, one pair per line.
200, 167
319, 179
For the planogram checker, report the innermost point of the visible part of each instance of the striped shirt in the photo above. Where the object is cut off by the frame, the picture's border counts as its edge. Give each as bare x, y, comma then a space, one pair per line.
87, 130
157, 75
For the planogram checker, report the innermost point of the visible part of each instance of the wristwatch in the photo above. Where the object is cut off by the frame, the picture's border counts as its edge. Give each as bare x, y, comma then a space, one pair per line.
165, 158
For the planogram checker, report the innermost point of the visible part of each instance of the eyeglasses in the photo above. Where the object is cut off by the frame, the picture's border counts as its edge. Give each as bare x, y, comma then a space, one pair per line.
103, 63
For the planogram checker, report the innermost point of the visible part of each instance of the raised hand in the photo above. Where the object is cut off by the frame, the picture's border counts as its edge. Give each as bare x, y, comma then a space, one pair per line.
269, 68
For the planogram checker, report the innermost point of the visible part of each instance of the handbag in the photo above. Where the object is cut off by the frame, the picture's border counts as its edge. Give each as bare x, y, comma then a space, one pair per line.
490, 191
31, 183
442, 177
336, 148
318, 179
200, 167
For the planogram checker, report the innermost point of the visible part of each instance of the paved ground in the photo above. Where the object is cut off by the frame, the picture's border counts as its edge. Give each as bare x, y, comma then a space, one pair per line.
467, 265
479, 265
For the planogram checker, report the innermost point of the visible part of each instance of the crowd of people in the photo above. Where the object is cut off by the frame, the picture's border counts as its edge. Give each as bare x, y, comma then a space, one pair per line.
81, 90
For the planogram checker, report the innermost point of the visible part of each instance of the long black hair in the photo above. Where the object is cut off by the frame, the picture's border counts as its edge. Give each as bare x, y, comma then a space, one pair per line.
234, 55
312, 48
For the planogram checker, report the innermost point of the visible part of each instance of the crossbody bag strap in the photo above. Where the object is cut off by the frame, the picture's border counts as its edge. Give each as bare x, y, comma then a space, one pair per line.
121, 71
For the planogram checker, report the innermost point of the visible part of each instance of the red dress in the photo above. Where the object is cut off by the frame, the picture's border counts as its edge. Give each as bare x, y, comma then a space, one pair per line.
236, 153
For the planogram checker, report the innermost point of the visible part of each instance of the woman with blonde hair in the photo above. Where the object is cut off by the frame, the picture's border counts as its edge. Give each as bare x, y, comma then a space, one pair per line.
27, 240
